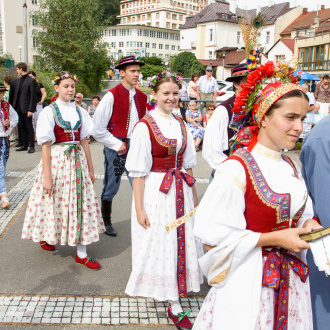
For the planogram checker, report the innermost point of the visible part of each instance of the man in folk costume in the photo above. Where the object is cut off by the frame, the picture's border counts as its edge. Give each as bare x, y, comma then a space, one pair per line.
118, 112
218, 133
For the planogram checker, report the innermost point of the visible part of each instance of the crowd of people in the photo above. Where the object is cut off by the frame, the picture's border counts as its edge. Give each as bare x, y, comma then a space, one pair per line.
244, 236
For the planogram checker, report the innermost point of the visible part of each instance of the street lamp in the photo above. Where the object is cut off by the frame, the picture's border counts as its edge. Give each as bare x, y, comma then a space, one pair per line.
20, 53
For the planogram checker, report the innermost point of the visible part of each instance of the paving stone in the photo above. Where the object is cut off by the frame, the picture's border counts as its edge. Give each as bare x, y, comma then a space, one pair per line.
105, 320
66, 320
115, 320
55, 320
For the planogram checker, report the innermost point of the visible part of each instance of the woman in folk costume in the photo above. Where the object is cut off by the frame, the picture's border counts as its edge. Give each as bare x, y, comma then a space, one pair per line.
161, 158
63, 207
252, 214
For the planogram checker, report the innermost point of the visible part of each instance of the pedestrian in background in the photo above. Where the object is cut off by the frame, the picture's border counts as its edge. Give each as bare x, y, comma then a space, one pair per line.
14, 132
23, 98
79, 101
208, 86
8, 120
63, 206
194, 121
41, 97
322, 96
193, 88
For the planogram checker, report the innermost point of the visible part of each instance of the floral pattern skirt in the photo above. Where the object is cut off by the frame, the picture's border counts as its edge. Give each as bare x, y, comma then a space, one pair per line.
54, 218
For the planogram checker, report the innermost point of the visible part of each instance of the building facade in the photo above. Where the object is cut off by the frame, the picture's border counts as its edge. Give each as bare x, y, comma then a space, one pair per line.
217, 26
141, 40
12, 29
282, 50
167, 14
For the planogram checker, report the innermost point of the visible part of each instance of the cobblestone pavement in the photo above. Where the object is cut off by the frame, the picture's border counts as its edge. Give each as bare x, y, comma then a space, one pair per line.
88, 310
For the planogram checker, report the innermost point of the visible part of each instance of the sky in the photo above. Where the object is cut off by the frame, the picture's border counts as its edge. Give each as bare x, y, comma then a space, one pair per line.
310, 4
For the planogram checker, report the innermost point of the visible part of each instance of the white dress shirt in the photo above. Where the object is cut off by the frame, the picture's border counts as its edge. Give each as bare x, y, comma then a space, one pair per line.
102, 118
13, 118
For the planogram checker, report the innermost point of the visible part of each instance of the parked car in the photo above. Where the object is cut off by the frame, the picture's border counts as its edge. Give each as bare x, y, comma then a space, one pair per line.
225, 90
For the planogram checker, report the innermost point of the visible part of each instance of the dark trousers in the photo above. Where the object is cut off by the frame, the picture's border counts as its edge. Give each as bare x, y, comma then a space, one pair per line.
114, 167
25, 129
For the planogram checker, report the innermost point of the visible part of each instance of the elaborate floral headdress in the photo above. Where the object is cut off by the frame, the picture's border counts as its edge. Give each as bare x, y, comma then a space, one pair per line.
65, 76
162, 75
263, 88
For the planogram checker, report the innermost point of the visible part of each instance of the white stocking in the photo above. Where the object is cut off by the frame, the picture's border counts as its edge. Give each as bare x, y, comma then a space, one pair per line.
175, 307
81, 251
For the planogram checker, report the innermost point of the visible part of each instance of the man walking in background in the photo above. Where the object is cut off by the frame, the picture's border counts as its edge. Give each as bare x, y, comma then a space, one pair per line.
23, 98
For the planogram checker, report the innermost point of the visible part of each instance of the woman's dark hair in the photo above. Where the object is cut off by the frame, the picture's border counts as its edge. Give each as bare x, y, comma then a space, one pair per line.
34, 75
162, 81
326, 77
96, 97
193, 76
237, 80
278, 103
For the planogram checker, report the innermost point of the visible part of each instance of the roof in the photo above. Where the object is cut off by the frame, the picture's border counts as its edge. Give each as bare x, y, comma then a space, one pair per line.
287, 42
235, 57
325, 27
305, 20
216, 12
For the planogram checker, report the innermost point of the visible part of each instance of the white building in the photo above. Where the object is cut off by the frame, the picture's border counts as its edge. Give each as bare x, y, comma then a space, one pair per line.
217, 27
167, 14
12, 26
282, 50
141, 40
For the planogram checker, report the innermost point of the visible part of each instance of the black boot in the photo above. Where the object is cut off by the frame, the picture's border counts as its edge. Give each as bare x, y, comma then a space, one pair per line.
106, 214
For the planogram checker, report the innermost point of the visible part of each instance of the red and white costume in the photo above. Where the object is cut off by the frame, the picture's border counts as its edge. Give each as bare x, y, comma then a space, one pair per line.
161, 148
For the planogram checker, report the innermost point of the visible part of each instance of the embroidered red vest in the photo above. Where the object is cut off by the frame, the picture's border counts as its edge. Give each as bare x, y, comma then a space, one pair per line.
119, 122
62, 135
62, 128
5, 106
163, 150
265, 210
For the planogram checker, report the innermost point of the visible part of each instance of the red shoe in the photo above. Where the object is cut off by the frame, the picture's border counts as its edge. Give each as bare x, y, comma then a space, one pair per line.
89, 262
48, 247
181, 320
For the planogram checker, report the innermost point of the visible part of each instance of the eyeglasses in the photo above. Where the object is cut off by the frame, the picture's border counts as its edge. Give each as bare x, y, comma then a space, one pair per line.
78, 97
208, 70
212, 109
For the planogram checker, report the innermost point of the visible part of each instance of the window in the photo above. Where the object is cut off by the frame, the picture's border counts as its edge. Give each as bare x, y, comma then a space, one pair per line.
160, 46
314, 58
224, 16
238, 36
174, 16
168, 15
167, 47
160, 55
211, 35
176, 36
165, 35
178, 48
267, 37
173, 47
121, 43
146, 33
114, 33
180, 17
147, 54
35, 42
143, 17
34, 21
167, 25
153, 54
34, 2
154, 45
113, 44
133, 19
124, 19
279, 58
173, 26
147, 44
157, 24
157, 15
159, 35
153, 34
139, 31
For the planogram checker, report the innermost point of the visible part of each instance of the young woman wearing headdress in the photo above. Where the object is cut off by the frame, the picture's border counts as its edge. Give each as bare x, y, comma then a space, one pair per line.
63, 206
252, 214
160, 160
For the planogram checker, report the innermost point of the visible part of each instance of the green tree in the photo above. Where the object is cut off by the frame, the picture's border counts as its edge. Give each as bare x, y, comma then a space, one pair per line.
187, 63
151, 70
153, 60
69, 38
110, 10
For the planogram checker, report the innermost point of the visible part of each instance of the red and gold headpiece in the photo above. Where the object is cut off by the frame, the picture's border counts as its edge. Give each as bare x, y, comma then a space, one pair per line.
263, 88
